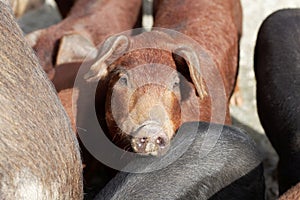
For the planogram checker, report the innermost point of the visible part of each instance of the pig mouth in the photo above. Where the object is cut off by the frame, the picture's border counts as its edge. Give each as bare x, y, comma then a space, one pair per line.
150, 139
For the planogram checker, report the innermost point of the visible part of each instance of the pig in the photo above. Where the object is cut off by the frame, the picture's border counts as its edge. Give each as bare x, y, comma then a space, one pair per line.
231, 170
40, 157
144, 106
88, 19
276, 65
62, 48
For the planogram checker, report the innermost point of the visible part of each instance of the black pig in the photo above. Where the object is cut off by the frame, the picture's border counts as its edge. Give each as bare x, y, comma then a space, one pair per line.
232, 169
277, 70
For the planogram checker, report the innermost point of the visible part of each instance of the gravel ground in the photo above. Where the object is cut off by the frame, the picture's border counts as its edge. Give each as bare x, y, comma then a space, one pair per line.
244, 115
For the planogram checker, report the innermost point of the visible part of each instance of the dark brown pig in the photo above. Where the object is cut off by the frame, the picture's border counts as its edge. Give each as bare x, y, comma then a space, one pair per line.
39, 154
145, 99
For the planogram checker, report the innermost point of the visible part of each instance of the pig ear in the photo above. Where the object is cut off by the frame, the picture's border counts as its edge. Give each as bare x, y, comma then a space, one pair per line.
193, 64
75, 48
112, 48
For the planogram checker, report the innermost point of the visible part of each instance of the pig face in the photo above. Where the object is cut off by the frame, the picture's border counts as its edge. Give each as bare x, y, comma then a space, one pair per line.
144, 107
143, 95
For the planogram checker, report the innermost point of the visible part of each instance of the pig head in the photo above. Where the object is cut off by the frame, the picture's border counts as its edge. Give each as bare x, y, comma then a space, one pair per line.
146, 90
151, 83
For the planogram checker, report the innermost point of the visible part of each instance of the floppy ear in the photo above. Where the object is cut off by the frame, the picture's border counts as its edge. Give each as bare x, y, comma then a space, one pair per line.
111, 49
193, 64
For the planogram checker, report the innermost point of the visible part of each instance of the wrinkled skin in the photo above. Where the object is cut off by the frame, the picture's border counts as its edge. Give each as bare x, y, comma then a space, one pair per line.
277, 71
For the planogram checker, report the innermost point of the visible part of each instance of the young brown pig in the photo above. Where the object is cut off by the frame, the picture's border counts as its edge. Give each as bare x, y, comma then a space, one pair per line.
88, 19
144, 96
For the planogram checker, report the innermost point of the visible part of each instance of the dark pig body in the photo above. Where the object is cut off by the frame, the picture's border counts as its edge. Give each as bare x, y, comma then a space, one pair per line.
231, 170
277, 70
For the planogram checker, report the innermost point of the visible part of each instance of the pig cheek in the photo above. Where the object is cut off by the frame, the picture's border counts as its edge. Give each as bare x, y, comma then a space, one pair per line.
117, 109
174, 112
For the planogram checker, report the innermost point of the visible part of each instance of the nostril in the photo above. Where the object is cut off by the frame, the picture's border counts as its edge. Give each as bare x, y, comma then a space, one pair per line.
141, 143
143, 140
160, 142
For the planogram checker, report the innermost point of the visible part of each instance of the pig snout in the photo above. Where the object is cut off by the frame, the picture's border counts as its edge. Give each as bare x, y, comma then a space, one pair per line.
150, 139
147, 116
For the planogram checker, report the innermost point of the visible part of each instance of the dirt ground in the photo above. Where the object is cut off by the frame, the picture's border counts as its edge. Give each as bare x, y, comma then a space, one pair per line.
244, 115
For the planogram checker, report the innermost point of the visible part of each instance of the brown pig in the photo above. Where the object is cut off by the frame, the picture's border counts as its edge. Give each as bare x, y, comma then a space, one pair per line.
62, 47
91, 19
140, 91
39, 154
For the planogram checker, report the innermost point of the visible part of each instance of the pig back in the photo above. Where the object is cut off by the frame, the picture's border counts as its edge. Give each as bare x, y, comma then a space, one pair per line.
214, 25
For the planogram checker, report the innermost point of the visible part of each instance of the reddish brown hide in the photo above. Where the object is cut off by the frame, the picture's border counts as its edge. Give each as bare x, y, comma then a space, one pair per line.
215, 25
94, 20
147, 124
62, 47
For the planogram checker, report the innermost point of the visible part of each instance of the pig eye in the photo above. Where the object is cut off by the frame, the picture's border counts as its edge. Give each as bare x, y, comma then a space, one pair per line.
176, 84
175, 81
123, 80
